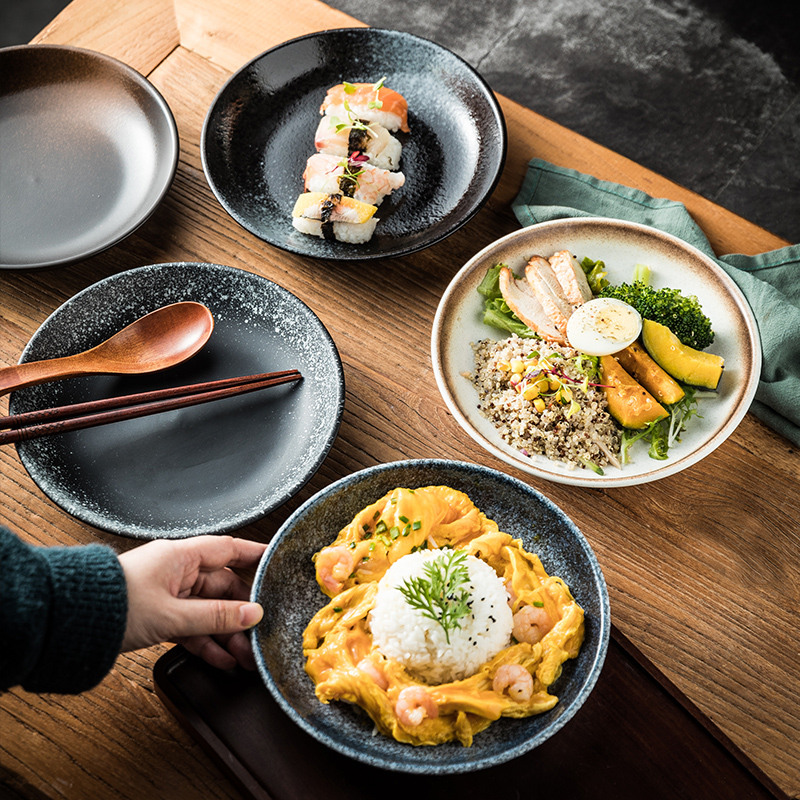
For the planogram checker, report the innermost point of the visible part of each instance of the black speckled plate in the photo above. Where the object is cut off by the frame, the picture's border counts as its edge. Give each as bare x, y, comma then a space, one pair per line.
259, 132
207, 469
285, 584
89, 149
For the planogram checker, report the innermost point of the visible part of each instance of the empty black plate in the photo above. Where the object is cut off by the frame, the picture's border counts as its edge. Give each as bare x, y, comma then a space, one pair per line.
89, 149
259, 132
206, 469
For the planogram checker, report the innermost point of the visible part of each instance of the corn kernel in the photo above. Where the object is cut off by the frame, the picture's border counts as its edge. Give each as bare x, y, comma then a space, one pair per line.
538, 404
515, 379
530, 392
517, 366
503, 366
566, 394
554, 385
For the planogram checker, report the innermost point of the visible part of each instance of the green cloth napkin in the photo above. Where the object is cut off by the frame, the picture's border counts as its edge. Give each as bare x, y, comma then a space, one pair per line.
770, 281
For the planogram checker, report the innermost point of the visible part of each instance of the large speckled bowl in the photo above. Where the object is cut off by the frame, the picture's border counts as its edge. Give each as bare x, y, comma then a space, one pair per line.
259, 133
285, 584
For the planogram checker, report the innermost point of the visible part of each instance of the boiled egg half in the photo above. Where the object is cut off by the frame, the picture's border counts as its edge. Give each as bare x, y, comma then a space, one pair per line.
603, 326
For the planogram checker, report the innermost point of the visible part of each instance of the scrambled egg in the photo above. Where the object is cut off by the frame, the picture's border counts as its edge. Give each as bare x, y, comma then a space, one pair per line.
345, 664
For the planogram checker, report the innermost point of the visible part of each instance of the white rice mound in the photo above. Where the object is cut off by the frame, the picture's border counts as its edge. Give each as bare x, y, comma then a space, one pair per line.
404, 634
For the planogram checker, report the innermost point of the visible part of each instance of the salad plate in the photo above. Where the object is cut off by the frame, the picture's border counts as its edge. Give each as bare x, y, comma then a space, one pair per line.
621, 245
259, 133
209, 468
286, 585
90, 148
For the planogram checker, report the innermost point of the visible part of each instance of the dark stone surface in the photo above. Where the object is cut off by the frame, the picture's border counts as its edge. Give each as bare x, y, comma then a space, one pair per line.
704, 92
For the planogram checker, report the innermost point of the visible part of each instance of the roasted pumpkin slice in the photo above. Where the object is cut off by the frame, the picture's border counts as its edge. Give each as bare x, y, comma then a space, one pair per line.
628, 401
638, 364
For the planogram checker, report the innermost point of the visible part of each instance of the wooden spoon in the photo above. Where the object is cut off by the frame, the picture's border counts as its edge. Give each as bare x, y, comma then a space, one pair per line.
158, 340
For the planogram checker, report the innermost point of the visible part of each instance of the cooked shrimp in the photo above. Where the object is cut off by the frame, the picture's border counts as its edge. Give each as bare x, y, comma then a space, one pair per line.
414, 704
531, 624
334, 567
368, 668
515, 681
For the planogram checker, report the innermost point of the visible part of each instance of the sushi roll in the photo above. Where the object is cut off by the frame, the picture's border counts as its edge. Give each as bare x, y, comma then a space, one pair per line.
334, 217
370, 102
374, 141
353, 177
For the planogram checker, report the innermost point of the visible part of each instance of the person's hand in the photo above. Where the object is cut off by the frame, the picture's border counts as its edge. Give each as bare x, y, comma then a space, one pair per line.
185, 591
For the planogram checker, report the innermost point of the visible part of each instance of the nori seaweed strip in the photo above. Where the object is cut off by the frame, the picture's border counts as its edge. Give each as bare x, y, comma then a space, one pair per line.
357, 141
326, 209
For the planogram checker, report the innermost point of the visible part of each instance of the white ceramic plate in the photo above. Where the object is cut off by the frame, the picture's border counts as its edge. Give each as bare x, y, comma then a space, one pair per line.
621, 245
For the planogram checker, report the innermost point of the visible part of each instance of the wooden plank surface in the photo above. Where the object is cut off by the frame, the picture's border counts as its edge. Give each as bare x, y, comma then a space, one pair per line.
702, 567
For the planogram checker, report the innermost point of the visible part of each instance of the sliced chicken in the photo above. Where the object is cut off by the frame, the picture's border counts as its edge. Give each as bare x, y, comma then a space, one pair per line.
523, 303
571, 277
544, 283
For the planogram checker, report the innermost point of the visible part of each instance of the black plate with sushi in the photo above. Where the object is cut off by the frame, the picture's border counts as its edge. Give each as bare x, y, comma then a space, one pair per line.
264, 125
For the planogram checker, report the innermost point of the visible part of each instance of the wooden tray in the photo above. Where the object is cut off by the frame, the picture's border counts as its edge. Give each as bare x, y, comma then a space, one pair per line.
636, 737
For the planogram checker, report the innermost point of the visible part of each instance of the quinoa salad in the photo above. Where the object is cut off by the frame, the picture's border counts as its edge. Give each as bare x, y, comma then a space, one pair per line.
564, 418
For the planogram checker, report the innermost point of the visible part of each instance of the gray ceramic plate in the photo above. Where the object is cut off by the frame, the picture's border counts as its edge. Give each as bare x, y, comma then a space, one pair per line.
205, 469
89, 149
285, 583
259, 132
458, 323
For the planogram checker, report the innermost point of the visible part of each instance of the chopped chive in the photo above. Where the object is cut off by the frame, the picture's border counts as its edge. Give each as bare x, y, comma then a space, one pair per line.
337, 609
417, 524
381, 527
403, 519
538, 603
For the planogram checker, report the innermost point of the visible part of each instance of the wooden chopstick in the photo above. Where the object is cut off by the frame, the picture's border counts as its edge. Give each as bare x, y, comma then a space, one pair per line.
48, 421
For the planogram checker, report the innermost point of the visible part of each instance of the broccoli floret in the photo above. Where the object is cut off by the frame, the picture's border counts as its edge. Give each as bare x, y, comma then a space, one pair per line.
681, 314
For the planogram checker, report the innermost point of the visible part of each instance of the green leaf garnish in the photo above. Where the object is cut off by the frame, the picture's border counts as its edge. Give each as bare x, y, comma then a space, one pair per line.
439, 594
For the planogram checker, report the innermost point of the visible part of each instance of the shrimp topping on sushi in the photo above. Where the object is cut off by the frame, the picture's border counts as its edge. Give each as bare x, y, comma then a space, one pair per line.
370, 102
353, 177
375, 142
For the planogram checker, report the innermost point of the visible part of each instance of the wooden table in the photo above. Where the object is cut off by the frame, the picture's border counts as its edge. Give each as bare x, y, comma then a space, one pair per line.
703, 567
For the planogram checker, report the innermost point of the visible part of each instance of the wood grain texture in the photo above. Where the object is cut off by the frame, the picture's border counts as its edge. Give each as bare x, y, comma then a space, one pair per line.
702, 567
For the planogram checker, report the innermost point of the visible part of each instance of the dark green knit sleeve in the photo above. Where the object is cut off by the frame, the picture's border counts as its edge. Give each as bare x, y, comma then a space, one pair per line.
62, 615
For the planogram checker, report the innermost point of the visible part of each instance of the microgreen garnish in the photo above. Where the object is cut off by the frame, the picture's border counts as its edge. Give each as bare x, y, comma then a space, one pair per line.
439, 594
376, 87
